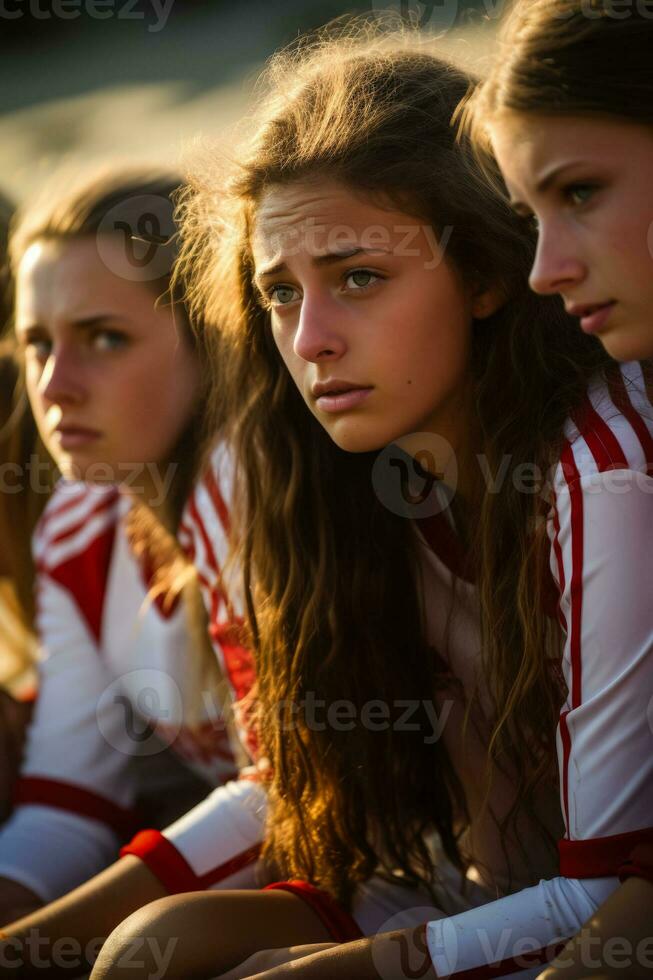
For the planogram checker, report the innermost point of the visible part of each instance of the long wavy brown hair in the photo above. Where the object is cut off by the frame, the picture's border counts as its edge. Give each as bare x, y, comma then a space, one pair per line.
569, 57
330, 573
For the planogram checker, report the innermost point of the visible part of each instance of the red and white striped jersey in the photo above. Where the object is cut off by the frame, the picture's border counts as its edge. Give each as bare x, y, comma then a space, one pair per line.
601, 532
114, 694
204, 536
602, 497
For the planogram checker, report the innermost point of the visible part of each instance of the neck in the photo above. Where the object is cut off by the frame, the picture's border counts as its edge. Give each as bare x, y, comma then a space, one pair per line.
447, 447
152, 488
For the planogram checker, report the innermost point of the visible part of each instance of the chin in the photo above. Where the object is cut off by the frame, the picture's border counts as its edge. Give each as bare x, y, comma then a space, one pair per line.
356, 438
630, 344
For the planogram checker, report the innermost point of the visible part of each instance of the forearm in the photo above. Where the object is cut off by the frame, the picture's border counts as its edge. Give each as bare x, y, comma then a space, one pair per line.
616, 942
400, 954
61, 939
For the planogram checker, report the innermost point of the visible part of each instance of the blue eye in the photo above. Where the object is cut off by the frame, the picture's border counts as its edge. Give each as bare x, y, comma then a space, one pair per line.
362, 278
579, 194
282, 295
108, 340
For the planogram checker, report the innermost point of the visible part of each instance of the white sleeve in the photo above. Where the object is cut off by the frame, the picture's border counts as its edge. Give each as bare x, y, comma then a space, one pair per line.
214, 845
516, 935
77, 786
602, 560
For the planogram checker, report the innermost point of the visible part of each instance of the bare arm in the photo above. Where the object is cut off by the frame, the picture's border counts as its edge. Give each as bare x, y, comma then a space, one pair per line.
399, 955
616, 942
197, 935
62, 939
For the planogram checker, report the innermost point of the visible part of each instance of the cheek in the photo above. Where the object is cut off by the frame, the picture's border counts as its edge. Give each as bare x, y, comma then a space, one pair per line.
284, 343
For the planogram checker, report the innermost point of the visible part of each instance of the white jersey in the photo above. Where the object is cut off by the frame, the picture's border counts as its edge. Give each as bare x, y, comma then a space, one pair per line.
606, 772
601, 532
113, 696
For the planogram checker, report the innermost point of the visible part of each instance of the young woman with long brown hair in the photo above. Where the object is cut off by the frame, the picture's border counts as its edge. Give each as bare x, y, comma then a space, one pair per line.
376, 278
567, 111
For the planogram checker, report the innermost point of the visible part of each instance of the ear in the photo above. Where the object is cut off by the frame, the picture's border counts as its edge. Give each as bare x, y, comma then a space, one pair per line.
485, 302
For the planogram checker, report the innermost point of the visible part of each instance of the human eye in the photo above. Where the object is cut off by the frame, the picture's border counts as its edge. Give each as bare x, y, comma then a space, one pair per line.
280, 295
360, 279
579, 193
108, 340
36, 344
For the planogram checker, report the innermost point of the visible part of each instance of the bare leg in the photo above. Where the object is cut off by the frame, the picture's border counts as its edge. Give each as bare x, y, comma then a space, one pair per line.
200, 935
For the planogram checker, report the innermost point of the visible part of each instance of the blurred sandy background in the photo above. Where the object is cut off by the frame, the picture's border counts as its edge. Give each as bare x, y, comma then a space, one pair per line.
138, 85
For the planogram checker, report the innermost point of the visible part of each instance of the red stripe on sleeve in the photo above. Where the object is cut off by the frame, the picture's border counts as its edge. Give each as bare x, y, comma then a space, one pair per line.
621, 399
572, 477
82, 802
602, 442
561, 568
173, 870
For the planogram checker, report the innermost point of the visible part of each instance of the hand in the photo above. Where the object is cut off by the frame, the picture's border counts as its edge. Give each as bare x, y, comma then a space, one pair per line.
267, 959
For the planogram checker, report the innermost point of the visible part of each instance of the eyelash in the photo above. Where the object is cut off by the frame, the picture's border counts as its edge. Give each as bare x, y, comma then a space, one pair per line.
117, 337
571, 189
267, 296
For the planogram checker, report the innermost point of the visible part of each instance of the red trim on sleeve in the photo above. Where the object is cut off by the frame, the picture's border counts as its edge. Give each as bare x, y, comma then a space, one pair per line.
341, 926
600, 857
173, 870
602, 442
82, 802
639, 865
621, 399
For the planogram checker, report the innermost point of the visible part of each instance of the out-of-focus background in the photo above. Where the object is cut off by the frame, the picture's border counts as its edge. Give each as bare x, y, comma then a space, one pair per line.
140, 79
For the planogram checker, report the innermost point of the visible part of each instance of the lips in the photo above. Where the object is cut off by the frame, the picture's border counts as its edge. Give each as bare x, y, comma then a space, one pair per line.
73, 436
339, 396
593, 316
336, 386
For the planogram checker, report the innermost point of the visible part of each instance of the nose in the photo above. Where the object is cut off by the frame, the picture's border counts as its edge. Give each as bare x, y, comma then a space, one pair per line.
318, 336
61, 382
557, 264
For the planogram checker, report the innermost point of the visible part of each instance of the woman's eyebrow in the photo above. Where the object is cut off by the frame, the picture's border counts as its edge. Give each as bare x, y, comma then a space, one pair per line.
327, 258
